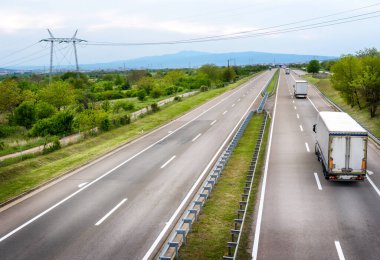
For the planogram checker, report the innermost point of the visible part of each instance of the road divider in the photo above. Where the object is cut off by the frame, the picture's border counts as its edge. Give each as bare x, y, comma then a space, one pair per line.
178, 238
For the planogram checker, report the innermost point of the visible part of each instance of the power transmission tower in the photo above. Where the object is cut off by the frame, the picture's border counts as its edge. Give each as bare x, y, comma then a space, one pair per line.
53, 40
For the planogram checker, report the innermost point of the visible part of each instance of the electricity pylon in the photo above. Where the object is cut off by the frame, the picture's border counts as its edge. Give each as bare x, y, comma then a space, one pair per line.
53, 40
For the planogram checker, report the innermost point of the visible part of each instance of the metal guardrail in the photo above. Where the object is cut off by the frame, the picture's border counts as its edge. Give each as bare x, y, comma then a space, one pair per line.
262, 103
338, 108
178, 238
233, 245
268, 83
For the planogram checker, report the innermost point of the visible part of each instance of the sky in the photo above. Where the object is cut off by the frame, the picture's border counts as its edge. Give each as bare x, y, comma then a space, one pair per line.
24, 22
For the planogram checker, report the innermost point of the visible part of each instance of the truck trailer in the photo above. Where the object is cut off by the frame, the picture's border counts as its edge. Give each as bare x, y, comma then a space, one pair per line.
287, 71
341, 146
300, 88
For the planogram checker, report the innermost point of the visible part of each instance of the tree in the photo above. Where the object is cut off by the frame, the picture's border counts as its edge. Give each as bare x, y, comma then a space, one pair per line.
211, 70
141, 94
59, 124
344, 72
44, 110
313, 66
368, 82
25, 114
10, 95
146, 84
58, 93
228, 74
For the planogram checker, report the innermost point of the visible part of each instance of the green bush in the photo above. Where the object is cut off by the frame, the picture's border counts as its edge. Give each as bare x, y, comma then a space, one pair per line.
59, 124
56, 145
105, 124
44, 110
125, 105
203, 88
25, 114
154, 107
141, 94
177, 98
8, 130
155, 93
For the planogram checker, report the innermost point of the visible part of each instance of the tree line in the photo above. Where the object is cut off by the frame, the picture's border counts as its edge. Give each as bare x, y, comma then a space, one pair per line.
357, 77
80, 102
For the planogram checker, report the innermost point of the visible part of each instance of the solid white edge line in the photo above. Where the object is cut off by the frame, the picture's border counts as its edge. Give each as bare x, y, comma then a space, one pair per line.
307, 147
195, 138
312, 104
118, 166
317, 180
339, 250
82, 184
168, 161
109, 213
301, 128
200, 178
373, 185
213, 122
262, 195
225, 112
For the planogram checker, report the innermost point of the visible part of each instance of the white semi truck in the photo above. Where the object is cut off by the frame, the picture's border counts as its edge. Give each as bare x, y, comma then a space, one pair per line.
287, 71
341, 146
300, 88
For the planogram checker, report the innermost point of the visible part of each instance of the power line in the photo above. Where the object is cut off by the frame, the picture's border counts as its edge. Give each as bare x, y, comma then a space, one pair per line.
243, 33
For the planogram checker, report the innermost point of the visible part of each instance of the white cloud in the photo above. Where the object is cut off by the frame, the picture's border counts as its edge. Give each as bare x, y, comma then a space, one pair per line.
12, 21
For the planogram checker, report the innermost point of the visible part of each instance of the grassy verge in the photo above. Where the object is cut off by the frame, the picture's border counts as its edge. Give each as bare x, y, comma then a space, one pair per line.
360, 115
210, 234
245, 247
18, 178
273, 82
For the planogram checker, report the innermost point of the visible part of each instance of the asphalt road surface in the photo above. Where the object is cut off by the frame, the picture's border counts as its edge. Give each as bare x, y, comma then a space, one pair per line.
117, 207
301, 215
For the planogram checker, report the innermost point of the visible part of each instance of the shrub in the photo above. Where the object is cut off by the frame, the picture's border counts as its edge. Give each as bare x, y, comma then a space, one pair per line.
106, 105
170, 90
44, 110
141, 94
104, 123
177, 98
204, 88
125, 105
155, 93
25, 114
154, 107
7, 130
125, 120
59, 124
56, 145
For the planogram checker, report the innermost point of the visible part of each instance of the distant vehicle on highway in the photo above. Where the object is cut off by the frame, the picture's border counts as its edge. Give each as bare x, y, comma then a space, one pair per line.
300, 88
287, 71
341, 146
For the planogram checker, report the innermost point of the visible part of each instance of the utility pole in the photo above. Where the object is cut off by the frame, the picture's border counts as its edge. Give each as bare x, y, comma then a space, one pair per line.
53, 40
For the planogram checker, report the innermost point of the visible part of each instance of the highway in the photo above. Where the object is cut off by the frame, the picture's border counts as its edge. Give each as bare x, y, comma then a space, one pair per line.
119, 206
300, 215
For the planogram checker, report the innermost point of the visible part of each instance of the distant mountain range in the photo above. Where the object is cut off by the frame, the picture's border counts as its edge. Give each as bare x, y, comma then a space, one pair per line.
193, 59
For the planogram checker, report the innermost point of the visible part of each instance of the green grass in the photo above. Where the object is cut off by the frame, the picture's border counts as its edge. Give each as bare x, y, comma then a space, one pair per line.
245, 247
273, 82
360, 115
212, 231
18, 178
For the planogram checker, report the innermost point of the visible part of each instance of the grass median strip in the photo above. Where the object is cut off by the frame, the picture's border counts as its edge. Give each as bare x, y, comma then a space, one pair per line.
361, 115
21, 177
273, 82
209, 235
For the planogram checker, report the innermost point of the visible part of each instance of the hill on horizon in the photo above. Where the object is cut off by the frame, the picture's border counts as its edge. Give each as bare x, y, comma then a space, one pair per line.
194, 59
